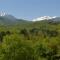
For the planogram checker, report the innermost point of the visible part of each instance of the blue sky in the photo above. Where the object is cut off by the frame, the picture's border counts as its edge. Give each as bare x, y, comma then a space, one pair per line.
30, 9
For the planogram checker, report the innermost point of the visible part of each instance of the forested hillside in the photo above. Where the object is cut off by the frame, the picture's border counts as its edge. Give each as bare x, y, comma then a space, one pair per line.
26, 40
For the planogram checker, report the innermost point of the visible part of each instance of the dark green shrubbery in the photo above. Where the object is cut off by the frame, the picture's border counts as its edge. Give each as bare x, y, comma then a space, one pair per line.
33, 41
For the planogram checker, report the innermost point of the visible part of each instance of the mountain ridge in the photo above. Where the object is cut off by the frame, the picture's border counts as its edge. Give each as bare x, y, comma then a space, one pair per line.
44, 18
10, 19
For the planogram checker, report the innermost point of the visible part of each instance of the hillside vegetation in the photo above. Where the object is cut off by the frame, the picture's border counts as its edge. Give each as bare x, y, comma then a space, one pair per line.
26, 40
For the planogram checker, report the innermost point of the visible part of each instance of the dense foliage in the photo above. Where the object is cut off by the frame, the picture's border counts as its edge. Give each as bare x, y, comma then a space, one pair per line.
30, 41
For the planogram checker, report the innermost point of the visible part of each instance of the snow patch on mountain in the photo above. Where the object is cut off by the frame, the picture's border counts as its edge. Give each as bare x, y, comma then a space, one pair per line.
2, 13
44, 18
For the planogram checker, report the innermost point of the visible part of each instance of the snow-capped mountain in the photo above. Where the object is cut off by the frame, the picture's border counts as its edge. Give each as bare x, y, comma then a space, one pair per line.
7, 16
44, 18
2, 13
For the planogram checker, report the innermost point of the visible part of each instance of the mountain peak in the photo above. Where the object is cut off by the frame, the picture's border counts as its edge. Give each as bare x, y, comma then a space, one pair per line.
44, 18
2, 13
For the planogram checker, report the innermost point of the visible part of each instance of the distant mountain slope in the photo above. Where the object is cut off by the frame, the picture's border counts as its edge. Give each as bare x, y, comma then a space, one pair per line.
6, 20
44, 18
11, 20
48, 19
